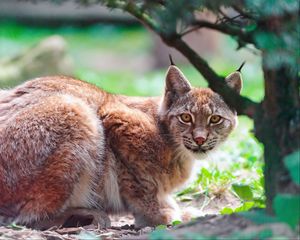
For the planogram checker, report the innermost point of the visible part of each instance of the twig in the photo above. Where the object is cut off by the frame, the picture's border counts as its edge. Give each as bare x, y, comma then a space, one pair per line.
221, 27
226, 18
243, 13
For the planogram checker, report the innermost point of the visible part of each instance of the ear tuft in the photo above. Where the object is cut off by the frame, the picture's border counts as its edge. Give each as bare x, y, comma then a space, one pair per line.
171, 60
234, 80
240, 68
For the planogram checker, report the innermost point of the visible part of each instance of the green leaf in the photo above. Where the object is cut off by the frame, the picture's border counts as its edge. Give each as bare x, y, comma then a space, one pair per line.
186, 199
185, 191
262, 181
16, 226
161, 227
243, 191
292, 163
251, 27
226, 210
245, 207
176, 222
287, 208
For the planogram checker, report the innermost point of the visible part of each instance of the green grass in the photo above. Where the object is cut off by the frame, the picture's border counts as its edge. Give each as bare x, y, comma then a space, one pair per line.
16, 37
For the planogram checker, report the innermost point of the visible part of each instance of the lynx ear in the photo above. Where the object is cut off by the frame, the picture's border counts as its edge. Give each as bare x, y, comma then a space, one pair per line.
234, 80
176, 82
176, 86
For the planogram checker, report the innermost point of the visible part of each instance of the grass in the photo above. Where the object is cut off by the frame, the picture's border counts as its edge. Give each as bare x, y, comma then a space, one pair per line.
236, 168
15, 37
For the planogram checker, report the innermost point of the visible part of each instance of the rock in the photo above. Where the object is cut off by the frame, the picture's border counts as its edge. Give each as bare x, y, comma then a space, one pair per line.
223, 226
48, 57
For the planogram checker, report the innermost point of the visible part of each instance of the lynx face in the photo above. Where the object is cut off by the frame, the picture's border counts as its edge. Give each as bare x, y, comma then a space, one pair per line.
198, 119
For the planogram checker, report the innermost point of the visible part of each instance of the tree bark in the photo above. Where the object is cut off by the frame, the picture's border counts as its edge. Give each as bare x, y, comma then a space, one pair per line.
277, 125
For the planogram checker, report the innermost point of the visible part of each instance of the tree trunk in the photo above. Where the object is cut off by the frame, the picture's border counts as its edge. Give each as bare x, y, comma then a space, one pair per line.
277, 127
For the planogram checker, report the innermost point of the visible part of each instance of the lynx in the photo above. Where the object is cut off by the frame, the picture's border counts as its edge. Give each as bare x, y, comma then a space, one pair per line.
68, 147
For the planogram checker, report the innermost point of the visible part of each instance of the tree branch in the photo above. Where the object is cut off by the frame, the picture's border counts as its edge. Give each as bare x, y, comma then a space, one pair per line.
243, 105
242, 12
227, 19
221, 27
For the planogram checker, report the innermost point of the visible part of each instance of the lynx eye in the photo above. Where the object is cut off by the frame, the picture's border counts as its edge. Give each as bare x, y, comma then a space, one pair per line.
185, 117
215, 119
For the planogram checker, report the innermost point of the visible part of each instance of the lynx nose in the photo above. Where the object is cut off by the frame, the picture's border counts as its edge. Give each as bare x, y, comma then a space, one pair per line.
199, 140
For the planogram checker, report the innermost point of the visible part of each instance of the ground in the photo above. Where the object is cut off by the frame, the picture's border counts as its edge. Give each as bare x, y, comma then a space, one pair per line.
224, 226
122, 226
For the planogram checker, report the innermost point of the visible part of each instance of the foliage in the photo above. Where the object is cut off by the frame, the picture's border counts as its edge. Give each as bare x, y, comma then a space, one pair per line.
292, 163
176, 222
161, 227
287, 208
243, 191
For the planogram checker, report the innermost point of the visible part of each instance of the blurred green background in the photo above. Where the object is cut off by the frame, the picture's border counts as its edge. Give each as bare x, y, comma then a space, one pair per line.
128, 42
121, 58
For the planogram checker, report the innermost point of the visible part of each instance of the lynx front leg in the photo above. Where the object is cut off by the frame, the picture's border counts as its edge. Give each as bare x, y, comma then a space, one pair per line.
164, 211
151, 209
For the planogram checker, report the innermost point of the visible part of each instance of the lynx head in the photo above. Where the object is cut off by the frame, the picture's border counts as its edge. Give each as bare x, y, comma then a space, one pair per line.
196, 119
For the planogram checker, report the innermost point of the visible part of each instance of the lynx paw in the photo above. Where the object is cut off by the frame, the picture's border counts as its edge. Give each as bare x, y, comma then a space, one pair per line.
169, 215
190, 213
166, 216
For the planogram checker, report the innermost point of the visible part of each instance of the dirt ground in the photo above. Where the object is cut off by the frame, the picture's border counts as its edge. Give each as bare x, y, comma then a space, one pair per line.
212, 225
207, 222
